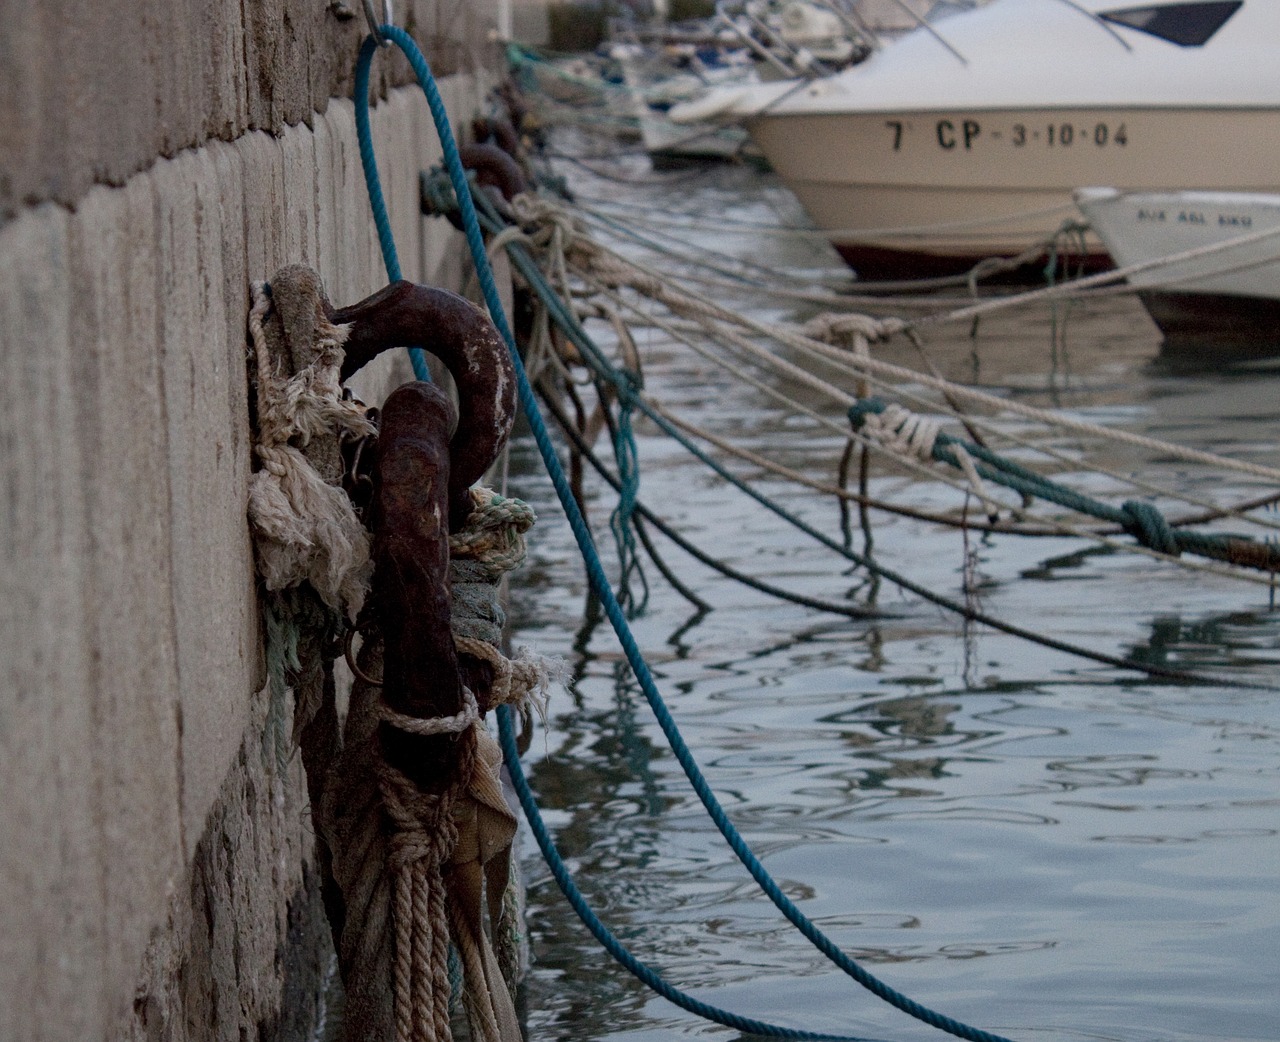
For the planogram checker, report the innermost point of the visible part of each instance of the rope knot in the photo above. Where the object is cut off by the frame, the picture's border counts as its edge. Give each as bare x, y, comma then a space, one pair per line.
1146, 524
896, 429
492, 539
851, 329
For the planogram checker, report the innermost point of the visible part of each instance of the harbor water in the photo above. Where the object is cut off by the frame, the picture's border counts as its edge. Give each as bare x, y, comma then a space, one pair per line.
1027, 841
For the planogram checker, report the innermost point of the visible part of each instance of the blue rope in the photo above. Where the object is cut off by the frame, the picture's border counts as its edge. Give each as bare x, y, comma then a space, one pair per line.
626, 392
620, 522
603, 934
369, 162
594, 567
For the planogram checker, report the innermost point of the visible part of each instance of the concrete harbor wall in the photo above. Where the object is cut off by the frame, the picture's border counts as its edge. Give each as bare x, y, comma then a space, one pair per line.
156, 879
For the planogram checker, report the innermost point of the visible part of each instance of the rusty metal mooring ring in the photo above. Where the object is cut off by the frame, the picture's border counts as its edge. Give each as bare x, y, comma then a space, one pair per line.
460, 334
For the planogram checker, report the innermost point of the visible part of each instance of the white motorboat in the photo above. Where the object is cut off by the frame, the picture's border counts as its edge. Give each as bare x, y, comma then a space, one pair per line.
658, 78
1207, 264
965, 138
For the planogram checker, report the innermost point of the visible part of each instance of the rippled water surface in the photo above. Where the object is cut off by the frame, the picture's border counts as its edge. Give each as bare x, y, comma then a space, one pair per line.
1032, 843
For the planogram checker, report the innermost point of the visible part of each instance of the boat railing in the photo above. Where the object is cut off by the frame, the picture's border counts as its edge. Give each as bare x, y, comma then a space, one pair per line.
761, 26
1100, 22
923, 23
762, 40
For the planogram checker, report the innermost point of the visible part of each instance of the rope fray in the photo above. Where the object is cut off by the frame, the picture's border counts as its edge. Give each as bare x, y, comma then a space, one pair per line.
305, 528
524, 680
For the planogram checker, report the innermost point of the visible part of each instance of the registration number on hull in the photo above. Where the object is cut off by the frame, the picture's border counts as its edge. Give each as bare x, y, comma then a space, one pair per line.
965, 134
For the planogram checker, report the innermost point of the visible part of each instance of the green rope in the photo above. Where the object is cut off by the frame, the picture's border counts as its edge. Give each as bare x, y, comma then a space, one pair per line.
1143, 521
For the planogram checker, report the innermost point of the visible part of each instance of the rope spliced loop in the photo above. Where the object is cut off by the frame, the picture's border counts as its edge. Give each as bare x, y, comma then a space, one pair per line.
595, 569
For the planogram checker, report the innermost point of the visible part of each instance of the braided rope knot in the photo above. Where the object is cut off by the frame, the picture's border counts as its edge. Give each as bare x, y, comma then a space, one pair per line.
423, 822
851, 328
532, 209
493, 536
1150, 527
902, 431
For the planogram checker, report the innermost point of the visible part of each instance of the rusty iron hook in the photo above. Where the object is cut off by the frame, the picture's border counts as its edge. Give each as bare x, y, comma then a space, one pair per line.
460, 334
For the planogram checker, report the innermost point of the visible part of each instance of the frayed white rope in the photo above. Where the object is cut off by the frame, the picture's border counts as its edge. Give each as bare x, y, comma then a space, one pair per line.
305, 528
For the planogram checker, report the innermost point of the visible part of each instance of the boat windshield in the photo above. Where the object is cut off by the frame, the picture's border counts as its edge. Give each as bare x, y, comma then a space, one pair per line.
1186, 24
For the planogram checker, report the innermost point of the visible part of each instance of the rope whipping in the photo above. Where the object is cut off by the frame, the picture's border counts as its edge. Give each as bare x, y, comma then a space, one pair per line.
594, 566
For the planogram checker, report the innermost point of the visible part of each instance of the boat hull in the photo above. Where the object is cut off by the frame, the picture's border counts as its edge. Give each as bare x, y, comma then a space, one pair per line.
1227, 297
928, 193
1192, 322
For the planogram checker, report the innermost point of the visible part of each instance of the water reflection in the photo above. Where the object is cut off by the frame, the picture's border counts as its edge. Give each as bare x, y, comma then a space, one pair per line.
1243, 640
1024, 840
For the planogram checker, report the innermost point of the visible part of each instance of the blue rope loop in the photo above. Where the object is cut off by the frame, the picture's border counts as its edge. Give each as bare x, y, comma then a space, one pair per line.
626, 452
596, 573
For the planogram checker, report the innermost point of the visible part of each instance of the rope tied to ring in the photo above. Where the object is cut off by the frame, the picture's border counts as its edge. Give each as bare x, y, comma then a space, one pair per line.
424, 836
489, 546
450, 852
441, 860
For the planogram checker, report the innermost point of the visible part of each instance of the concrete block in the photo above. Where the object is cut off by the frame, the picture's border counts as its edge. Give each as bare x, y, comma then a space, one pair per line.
208, 460
262, 189
49, 863
327, 218
93, 93
154, 878
132, 680
298, 203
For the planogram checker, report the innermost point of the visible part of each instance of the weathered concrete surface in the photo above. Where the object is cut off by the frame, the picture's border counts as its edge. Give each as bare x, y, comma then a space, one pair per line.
151, 854
91, 93
242, 945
